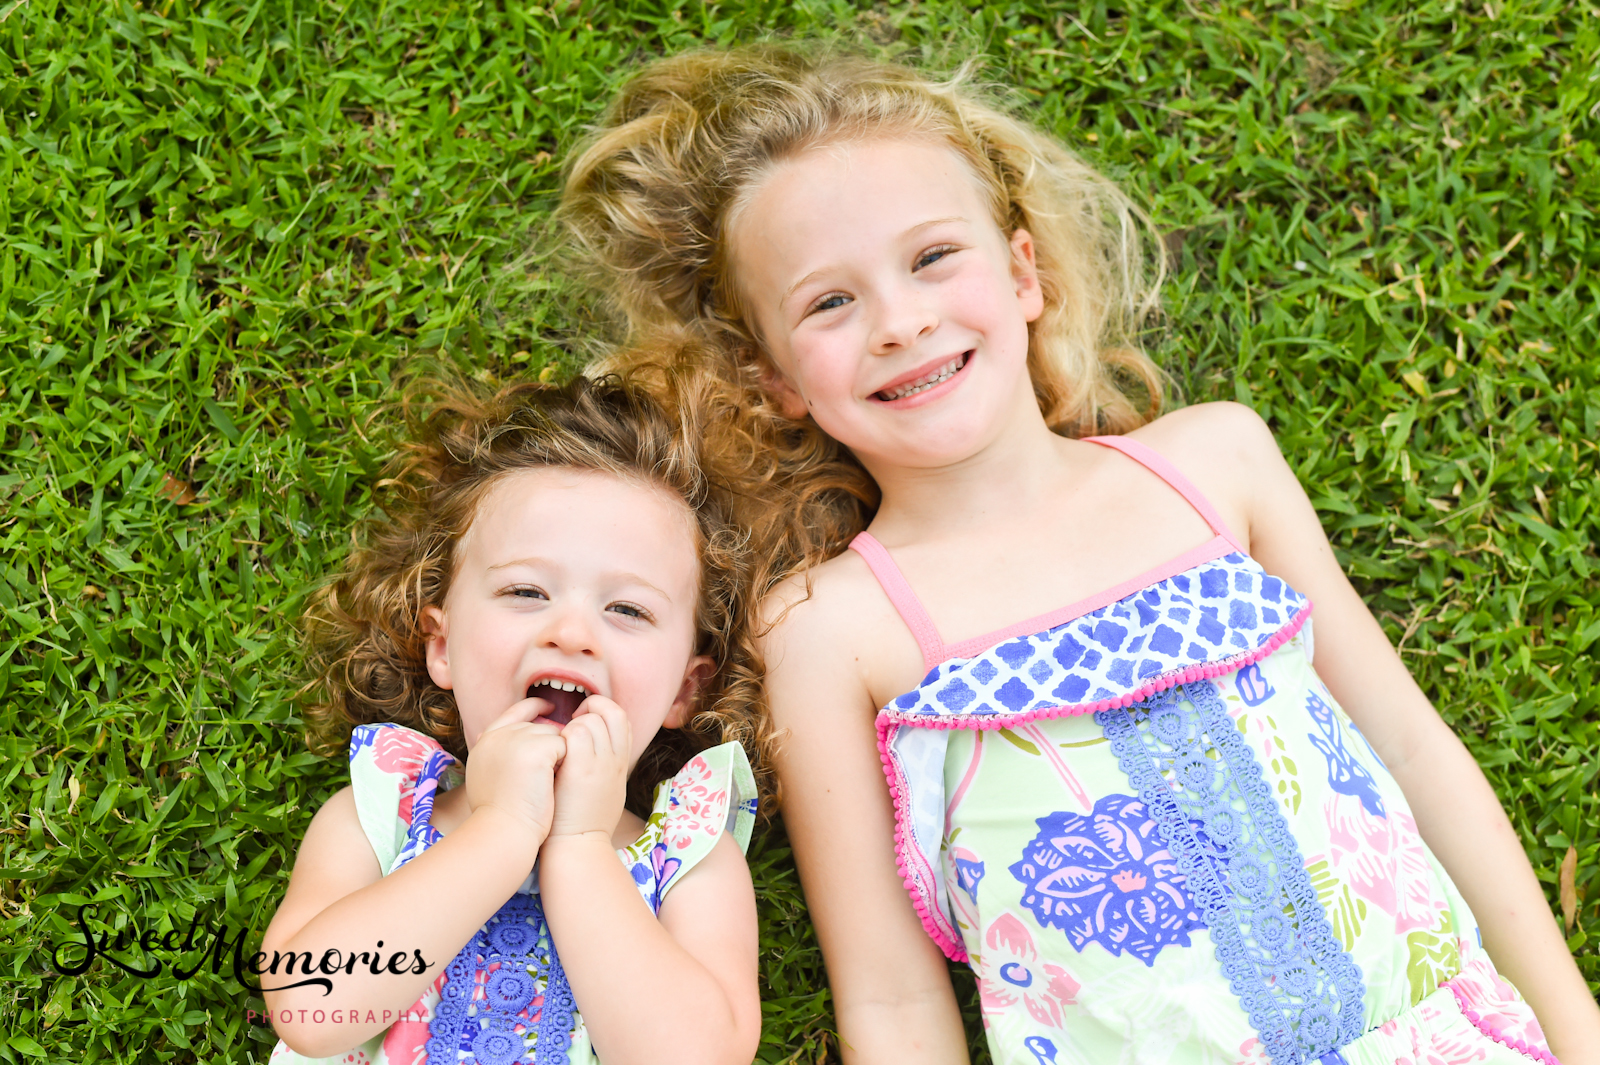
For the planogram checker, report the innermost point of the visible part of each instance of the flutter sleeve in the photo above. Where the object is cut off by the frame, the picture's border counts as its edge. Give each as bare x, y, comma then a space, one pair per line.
396, 773
713, 794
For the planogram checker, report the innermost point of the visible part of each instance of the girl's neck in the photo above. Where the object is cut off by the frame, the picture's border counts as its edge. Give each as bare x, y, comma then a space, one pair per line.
1014, 475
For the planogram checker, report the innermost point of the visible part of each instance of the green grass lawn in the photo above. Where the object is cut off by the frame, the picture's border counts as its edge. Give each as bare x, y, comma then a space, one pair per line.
229, 228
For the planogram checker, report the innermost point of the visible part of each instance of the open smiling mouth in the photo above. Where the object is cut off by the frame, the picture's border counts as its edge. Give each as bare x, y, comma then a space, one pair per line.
563, 696
922, 384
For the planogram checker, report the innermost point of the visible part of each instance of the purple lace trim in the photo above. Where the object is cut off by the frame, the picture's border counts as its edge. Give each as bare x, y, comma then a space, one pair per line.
1183, 754
526, 994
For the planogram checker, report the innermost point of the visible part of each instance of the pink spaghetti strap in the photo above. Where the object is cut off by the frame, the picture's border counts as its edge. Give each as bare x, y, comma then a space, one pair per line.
904, 600
1153, 461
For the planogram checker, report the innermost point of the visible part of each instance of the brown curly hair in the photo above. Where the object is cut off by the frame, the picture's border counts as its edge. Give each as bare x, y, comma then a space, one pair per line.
363, 632
652, 193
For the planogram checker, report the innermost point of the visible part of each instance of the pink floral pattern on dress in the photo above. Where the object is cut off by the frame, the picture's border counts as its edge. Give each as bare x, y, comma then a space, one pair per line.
1012, 974
697, 807
1499, 1011
1383, 861
1415, 1040
968, 872
402, 752
1252, 1052
407, 1040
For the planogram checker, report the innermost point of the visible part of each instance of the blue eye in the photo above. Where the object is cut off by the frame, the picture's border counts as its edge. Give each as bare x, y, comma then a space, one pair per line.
830, 303
525, 591
631, 610
932, 255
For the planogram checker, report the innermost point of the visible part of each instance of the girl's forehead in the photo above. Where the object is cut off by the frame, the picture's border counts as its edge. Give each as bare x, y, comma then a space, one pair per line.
832, 204
578, 492
570, 510
914, 165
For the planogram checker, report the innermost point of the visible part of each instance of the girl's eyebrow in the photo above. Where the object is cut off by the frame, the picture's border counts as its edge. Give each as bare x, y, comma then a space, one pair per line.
620, 576
930, 223
634, 578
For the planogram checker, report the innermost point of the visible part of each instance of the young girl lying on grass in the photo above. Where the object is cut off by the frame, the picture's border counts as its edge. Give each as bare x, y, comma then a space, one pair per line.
552, 596
1055, 713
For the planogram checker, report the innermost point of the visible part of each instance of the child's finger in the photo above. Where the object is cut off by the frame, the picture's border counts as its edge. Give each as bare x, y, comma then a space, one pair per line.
521, 710
618, 730
588, 731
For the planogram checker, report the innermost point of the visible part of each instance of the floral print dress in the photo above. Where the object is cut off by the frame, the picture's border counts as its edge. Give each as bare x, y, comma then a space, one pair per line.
1155, 837
504, 998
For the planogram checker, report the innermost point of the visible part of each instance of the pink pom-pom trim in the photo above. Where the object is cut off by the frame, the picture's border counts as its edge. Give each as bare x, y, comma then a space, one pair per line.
1536, 1053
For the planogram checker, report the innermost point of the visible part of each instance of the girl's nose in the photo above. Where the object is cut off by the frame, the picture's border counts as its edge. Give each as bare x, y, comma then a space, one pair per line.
903, 318
570, 631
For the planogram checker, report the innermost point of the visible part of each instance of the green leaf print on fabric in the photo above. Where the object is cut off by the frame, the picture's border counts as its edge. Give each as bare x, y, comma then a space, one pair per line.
1434, 959
1346, 911
1018, 742
1282, 766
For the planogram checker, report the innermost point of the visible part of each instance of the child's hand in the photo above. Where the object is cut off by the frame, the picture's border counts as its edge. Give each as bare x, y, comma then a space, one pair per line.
592, 781
512, 768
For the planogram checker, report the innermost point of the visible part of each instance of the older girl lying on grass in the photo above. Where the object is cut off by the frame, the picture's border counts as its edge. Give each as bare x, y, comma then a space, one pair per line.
1055, 712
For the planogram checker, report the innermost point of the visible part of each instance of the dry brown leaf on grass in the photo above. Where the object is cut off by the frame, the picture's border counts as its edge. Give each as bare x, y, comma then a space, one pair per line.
1569, 889
177, 491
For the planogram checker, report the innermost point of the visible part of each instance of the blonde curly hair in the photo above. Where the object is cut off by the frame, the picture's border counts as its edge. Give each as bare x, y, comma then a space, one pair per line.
364, 639
651, 193
649, 200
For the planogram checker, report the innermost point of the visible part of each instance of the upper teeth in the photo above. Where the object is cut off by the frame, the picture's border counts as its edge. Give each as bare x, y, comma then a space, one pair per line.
566, 686
922, 384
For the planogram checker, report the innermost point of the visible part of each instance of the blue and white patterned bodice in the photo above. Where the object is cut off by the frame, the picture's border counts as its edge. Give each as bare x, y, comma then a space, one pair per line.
1201, 622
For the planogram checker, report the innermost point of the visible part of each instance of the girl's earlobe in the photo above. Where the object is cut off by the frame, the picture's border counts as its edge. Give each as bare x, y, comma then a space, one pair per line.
791, 404
700, 670
437, 649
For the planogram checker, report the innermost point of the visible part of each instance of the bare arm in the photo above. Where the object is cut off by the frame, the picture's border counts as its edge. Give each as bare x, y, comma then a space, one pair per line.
891, 988
679, 989
1456, 810
338, 899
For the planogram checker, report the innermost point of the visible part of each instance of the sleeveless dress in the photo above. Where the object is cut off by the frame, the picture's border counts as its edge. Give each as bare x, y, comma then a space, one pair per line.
504, 998
1155, 837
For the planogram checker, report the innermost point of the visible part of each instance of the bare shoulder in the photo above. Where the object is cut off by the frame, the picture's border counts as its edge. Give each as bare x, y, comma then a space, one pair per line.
335, 836
1228, 453
1211, 434
824, 603
832, 644
337, 813
335, 859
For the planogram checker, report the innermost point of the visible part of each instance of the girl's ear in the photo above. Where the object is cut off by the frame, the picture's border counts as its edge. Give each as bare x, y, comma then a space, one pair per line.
437, 627
1025, 271
700, 669
791, 404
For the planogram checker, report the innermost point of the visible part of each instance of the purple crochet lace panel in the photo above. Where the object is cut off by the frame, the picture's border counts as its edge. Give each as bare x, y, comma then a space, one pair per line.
1184, 756
526, 994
